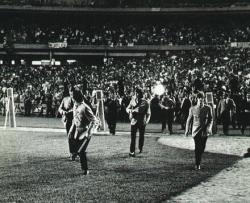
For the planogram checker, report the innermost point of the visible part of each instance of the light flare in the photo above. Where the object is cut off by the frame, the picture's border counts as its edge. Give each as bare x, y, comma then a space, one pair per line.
159, 89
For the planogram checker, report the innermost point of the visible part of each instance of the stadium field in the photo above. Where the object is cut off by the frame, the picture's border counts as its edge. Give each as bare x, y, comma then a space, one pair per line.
42, 122
35, 168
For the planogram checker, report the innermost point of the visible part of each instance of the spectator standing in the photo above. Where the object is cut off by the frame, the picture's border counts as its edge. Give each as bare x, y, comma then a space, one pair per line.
112, 107
43, 103
225, 109
156, 110
49, 103
66, 110
124, 103
3, 103
167, 105
245, 115
198, 85
27, 102
185, 106
57, 98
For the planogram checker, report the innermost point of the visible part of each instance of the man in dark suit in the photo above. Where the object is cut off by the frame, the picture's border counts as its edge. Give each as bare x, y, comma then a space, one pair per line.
167, 105
201, 115
139, 114
27, 102
245, 115
185, 106
226, 108
112, 106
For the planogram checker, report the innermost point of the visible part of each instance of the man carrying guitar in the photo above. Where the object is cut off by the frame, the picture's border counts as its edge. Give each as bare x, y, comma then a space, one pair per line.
139, 114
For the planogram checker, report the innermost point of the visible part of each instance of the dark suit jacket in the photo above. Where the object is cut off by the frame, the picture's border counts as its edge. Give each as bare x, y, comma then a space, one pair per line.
143, 113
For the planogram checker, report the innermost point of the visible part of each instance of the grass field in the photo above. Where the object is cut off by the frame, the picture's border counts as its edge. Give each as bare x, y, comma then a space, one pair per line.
151, 127
34, 167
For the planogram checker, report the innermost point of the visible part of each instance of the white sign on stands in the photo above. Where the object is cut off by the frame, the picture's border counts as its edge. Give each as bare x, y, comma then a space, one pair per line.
57, 45
233, 44
209, 98
240, 44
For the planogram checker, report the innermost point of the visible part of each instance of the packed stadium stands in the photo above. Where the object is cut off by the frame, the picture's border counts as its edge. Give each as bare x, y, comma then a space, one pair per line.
113, 33
111, 50
216, 68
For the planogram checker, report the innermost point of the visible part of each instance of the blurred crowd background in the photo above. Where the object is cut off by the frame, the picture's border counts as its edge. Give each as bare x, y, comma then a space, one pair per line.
211, 70
190, 53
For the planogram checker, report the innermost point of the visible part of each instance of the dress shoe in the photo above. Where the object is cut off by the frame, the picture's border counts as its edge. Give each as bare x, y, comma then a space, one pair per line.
197, 167
73, 156
85, 172
132, 154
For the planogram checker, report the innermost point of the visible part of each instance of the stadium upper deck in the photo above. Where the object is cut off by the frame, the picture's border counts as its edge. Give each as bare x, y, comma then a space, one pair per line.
140, 26
128, 3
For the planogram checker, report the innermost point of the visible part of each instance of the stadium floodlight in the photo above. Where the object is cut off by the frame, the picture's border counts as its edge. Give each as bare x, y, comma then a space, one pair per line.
159, 89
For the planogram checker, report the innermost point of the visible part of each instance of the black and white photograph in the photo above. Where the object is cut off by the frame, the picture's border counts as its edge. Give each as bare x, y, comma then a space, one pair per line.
124, 101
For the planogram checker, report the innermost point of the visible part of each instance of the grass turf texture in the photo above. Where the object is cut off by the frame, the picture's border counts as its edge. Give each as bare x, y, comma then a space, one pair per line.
34, 168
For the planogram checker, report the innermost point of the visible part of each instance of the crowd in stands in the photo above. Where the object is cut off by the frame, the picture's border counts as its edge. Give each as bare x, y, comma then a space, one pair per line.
212, 70
127, 3
114, 34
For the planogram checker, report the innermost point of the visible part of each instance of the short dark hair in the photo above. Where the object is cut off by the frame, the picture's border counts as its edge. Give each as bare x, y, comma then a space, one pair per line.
77, 96
66, 90
139, 92
201, 95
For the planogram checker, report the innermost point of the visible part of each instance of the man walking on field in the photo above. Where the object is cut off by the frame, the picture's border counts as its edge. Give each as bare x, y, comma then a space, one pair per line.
139, 113
201, 115
84, 123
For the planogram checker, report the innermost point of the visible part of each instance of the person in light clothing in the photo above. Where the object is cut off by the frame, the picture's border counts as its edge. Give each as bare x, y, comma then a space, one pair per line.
66, 110
83, 126
201, 115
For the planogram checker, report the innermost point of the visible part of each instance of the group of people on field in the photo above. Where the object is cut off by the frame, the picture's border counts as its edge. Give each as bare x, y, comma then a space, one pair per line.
80, 122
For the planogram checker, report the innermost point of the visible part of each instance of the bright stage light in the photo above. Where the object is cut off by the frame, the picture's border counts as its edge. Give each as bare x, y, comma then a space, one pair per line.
159, 89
